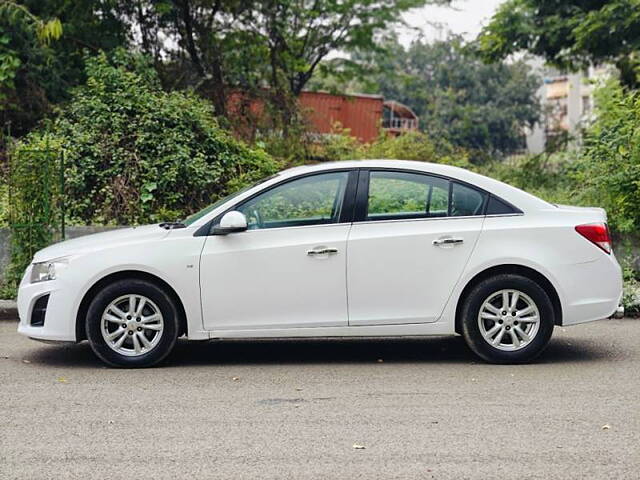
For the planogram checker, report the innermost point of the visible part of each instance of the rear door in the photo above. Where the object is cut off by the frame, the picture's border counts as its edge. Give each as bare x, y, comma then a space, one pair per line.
412, 237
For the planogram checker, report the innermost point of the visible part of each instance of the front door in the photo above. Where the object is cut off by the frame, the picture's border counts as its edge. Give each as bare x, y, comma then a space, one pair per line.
289, 268
409, 246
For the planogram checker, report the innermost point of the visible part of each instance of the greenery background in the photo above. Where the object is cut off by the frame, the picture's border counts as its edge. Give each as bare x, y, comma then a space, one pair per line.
147, 135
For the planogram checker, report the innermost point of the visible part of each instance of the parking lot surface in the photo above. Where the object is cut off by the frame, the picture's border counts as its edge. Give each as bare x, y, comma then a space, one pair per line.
325, 409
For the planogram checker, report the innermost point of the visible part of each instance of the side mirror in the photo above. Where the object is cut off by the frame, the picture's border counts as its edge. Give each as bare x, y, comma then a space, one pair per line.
231, 222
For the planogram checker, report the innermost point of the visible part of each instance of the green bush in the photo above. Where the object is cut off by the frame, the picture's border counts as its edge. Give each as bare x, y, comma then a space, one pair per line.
631, 288
550, 177
33, 175
410, 146
415, 146
137, 154
609, 168
4, 202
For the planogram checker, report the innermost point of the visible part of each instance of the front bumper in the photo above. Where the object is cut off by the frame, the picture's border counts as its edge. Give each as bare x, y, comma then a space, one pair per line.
59, 318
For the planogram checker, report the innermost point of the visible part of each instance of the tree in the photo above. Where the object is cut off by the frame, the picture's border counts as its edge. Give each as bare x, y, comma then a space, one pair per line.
608, 173
483, 108
24, 41
253, 44
136, 154
42, 44
569, 34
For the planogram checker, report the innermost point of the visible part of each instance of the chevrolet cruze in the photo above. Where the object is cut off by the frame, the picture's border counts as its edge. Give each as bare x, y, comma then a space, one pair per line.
359, 248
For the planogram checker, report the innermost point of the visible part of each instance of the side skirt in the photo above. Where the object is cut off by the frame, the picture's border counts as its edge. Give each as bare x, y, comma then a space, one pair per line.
414, 329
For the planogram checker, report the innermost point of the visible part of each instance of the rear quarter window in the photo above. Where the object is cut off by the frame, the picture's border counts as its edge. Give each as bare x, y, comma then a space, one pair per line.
498, 207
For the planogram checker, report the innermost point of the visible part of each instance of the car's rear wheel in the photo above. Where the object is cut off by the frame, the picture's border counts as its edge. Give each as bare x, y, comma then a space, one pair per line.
132, 323
507, 319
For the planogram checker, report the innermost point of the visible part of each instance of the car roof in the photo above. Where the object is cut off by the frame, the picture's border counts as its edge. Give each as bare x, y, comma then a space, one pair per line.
521, 199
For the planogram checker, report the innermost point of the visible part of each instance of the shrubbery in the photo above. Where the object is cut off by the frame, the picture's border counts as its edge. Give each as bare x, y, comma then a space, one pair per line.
410, 146
137, 154
4, 202
548, 176
33, 215
609, 168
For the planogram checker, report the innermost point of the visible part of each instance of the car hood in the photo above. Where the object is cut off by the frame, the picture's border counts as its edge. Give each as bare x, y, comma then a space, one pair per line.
99, 241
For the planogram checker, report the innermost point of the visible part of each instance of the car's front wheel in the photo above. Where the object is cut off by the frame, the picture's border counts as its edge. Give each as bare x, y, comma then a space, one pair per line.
132, 323
507, 319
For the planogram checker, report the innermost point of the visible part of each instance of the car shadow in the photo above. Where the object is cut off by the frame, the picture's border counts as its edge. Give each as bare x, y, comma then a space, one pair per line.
322, 351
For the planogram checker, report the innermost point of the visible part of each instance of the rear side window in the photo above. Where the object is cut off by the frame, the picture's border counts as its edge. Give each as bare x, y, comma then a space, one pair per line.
466, 201
397, 195
406, 195
498, 207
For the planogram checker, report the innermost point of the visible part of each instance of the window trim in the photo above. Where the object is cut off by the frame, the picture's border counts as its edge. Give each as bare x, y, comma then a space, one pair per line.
362, 198
353, 208
346, 213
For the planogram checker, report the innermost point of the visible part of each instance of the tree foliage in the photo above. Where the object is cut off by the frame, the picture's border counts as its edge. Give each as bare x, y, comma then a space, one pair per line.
610, 165
270, 49
24, 41
482, 108
35, 193
252, 44
42, 45
570, 34
135, 153
416, 146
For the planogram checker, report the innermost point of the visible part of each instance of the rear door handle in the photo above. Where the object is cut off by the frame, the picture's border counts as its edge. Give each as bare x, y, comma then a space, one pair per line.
447, 241
322, 251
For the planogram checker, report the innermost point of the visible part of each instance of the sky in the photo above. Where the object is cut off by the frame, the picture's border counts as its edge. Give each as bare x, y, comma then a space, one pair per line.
466, 17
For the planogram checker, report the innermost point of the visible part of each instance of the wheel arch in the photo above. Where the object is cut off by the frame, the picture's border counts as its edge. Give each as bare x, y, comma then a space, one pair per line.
528, 272
81, 314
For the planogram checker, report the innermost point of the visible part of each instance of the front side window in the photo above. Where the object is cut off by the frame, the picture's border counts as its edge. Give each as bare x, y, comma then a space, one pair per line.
311, 200
396, 195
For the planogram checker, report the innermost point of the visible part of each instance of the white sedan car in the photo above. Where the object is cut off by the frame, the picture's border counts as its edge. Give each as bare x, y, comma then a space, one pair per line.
359, 248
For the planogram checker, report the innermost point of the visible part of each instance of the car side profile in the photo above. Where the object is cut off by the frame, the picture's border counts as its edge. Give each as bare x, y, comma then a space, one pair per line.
355, 248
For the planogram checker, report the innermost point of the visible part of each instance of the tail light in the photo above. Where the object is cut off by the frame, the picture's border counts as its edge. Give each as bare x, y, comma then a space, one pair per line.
596, 233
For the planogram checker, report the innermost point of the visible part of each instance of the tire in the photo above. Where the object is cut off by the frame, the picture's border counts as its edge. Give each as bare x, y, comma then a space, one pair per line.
487, 300
151, 324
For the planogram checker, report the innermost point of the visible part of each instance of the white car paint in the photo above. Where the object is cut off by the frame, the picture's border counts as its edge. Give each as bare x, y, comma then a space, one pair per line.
270, 282
386, 279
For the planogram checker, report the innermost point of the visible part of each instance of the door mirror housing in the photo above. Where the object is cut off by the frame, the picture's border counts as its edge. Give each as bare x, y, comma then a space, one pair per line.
231, 222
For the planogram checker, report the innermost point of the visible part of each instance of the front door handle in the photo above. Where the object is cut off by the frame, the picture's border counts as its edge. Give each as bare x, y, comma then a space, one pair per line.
447, 241
322, 251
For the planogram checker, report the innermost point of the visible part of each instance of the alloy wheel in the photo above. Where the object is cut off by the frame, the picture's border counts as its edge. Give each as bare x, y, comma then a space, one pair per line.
132, 325
509, 320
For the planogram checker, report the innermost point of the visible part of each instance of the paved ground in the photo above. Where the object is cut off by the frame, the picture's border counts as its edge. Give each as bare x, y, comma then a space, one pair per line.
295, 409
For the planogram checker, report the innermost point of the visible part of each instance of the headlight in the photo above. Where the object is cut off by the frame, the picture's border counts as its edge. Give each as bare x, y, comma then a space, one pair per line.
43, 271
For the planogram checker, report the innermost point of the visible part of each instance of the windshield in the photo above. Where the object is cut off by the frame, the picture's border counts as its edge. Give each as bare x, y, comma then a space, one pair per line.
198, 215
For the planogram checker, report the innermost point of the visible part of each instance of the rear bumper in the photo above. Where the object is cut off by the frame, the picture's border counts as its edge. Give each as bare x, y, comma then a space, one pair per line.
619, 313
591, 290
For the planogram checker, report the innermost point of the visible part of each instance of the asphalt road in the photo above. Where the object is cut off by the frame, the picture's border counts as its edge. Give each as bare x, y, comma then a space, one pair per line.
295, 409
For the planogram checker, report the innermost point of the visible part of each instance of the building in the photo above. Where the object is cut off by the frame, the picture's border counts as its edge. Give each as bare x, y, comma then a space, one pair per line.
360, 114
363, 115
567, 101
325, 113
398, 118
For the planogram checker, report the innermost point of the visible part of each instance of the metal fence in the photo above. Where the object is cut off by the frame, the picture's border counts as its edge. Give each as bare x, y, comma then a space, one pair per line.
36, 194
